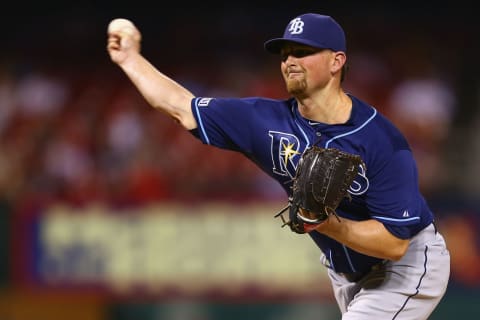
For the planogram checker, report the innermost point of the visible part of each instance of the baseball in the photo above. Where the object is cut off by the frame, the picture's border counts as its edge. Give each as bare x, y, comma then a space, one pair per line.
123, 25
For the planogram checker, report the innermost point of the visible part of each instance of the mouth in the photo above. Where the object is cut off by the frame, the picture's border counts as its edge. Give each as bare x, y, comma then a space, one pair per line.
294, 75
293, 70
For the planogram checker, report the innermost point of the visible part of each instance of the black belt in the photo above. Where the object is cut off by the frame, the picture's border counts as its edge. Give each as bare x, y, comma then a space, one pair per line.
354, 276
357, 276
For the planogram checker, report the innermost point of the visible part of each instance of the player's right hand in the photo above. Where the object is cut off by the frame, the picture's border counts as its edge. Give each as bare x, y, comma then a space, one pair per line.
123, 40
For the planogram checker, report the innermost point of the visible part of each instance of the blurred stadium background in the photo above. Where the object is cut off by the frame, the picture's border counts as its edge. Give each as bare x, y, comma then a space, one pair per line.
109, 211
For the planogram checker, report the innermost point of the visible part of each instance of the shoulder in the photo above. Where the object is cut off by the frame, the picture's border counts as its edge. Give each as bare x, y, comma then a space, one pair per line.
251, 109
239, 102
376, 128
245, 112
378, 140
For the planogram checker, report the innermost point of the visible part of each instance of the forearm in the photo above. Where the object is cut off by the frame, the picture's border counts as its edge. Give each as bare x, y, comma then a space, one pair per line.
160, 91
369, 237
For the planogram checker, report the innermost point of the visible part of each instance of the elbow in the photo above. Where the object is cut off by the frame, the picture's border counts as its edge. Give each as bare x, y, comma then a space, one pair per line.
182, 113
188, 123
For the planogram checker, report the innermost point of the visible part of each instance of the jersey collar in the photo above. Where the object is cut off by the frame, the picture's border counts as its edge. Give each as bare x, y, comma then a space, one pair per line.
323, 126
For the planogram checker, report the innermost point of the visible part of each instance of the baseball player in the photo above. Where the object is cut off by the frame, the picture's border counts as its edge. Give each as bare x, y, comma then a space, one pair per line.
384, 254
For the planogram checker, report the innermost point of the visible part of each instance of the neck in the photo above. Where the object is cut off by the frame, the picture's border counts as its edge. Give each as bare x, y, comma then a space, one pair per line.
329, 109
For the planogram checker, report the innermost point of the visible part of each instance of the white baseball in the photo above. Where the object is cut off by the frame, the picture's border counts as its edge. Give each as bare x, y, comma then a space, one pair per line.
121, 25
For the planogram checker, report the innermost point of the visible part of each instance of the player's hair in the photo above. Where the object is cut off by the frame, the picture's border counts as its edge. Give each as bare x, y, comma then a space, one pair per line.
343, 74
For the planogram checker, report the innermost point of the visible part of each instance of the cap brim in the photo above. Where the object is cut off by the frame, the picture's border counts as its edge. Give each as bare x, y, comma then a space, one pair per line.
275, 45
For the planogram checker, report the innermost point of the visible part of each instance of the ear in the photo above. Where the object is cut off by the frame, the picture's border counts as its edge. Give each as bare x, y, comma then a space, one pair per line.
339, 61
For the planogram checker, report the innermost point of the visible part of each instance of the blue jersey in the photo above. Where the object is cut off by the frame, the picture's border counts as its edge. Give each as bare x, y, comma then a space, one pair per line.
273, 134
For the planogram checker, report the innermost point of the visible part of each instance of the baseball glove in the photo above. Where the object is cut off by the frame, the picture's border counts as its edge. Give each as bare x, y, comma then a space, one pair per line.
321, 181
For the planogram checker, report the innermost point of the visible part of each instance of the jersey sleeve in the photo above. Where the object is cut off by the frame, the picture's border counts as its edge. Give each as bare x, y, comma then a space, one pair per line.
226, 123
394, 198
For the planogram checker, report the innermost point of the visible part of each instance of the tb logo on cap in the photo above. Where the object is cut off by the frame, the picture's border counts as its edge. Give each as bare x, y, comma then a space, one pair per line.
296, 26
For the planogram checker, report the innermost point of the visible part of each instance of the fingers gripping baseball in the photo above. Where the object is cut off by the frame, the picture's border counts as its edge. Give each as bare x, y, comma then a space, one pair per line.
123, 39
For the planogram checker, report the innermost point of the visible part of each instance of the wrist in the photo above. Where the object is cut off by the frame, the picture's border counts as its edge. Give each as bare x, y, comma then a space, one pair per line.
308, 227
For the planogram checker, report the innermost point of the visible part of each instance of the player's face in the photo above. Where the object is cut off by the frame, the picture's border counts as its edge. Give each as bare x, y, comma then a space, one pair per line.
305, 68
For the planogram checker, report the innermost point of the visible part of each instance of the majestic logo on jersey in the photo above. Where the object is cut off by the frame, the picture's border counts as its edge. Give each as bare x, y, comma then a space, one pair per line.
285, 149
203, 102
296, 26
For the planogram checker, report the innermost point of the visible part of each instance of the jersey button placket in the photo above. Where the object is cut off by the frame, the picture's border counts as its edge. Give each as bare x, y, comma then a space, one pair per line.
318, 138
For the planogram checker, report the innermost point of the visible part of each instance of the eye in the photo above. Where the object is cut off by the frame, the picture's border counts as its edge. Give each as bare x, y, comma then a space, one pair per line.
300, 53
297, 53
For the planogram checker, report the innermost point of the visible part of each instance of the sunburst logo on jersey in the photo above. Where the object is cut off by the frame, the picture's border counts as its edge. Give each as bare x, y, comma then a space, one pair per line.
288, 152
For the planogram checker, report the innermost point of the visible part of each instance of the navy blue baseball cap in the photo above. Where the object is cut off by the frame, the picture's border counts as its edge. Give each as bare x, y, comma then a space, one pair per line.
315, 30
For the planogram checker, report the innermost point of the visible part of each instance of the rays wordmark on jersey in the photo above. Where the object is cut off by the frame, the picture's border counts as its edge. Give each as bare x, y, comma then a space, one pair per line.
285, 147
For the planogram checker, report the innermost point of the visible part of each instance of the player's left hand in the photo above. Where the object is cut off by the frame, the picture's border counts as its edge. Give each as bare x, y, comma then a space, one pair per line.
305, 215
321, 181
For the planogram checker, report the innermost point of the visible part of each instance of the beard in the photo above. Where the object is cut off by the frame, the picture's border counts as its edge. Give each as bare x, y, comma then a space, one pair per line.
296, 87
